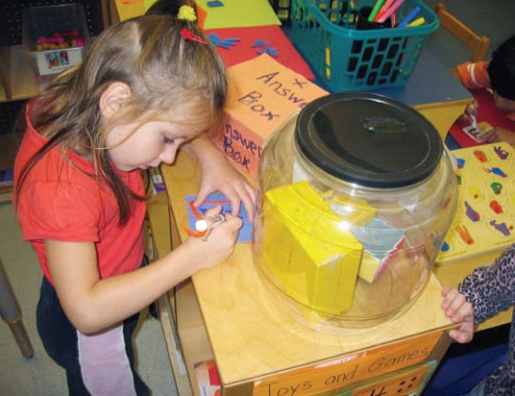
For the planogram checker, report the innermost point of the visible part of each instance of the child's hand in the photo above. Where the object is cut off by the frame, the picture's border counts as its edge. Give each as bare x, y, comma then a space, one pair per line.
458, 309
470, 114
221, 176
219, 244
501, 135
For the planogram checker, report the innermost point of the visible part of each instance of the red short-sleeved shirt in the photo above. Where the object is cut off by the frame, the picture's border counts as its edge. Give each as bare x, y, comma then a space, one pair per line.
59, 201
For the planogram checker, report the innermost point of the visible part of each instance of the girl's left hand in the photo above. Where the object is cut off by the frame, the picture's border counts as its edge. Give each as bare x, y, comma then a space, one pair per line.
219, 175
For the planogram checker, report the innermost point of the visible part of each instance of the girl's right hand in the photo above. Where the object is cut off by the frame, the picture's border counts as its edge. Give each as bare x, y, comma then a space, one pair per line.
470, 114
218, 246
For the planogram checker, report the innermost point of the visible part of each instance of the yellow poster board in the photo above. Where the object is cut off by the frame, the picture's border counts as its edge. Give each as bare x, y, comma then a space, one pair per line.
485, 218
237, 13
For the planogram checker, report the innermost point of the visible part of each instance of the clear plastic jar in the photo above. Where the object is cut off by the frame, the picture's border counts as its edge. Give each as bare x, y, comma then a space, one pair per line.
356, 196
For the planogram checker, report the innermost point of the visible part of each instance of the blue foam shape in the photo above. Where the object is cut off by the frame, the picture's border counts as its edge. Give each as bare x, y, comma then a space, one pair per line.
215, 4
213, 200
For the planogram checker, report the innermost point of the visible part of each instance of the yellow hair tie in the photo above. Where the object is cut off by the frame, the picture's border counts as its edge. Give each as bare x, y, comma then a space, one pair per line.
187, 13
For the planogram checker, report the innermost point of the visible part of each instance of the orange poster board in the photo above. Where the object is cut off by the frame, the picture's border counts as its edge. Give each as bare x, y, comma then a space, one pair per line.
408, 383
262, 94
344, 371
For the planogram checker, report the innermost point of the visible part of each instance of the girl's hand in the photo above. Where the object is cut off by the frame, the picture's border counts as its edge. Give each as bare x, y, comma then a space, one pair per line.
218, 246
219, 175
458, 309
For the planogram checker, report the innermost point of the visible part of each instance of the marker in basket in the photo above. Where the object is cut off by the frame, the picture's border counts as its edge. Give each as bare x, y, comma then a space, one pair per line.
390, 11
393, 19
383, 9
417, 22
410, 17
375, 10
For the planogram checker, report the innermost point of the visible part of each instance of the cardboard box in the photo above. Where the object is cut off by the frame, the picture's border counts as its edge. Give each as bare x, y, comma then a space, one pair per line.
262, 94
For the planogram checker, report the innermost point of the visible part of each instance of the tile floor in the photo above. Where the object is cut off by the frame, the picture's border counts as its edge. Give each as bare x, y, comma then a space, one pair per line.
40, 376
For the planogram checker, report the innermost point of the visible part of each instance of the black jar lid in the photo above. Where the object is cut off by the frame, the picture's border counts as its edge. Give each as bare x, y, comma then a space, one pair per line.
368, 140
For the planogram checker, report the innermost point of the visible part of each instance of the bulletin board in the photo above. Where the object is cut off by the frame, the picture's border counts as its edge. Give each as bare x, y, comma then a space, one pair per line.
485, 219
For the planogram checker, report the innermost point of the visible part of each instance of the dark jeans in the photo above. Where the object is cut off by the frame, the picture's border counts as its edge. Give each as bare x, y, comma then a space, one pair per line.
59, 338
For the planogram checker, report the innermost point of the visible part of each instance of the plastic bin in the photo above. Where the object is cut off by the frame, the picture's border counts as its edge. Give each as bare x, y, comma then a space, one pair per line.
347, 59
283, 10
46, 24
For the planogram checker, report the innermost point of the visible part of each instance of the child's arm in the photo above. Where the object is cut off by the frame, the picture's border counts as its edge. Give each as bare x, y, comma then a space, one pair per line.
93, 304
473, 75
459, 310
491, 289
218, 174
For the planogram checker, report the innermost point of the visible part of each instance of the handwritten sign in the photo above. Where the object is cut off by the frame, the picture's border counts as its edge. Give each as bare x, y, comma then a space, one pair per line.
408, 383
351, 369
262, 94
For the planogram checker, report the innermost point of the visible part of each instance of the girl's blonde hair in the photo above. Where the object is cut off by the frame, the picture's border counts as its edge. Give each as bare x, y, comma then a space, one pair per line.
162, 69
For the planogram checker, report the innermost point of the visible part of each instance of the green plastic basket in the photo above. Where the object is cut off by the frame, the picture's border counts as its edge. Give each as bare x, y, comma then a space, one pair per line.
346, 59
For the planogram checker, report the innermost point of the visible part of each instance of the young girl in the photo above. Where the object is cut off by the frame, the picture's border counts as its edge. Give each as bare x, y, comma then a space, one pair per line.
498, 74
487, 291
146, 88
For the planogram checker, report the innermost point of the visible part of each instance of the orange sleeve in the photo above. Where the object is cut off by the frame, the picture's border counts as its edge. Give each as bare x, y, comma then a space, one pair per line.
474, 75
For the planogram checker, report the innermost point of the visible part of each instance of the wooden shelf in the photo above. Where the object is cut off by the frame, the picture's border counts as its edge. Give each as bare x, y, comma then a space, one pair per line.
7, 155
18, 78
